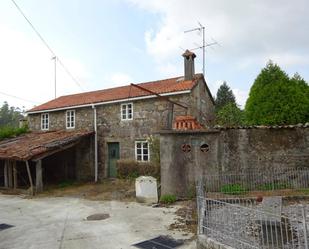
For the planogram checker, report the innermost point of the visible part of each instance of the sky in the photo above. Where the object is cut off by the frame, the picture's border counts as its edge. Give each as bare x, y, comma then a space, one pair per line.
107, 43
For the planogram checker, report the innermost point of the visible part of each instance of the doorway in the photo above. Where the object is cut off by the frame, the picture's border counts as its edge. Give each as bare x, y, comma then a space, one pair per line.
113, 156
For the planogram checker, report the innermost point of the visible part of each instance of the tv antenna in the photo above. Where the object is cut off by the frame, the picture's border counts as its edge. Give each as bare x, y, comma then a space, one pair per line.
201, 29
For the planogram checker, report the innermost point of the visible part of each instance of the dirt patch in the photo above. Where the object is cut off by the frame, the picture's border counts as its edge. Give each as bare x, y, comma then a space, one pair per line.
109, 189
186, 220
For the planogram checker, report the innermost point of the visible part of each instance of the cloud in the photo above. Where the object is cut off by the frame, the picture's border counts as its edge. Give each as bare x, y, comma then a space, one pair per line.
245, 28
120, 79
241, 96
27, 70
250, 33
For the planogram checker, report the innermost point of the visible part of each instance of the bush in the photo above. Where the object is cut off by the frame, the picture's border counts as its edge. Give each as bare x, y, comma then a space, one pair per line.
233, 189
168, 199
8, 132
154, 145
128, 169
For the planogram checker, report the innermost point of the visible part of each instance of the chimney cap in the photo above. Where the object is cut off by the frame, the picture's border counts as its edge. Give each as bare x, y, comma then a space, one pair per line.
188, 53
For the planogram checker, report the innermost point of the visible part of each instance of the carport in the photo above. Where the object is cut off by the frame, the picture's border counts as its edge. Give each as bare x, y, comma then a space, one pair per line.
62, 152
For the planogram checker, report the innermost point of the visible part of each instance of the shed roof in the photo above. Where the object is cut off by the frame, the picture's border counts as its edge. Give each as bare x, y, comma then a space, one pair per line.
166, 86
36, 145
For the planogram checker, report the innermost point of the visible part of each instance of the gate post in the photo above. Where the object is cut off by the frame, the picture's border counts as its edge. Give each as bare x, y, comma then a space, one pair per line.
305, 226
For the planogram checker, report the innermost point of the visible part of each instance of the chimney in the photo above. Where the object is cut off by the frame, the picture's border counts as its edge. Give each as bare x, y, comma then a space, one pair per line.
189, 64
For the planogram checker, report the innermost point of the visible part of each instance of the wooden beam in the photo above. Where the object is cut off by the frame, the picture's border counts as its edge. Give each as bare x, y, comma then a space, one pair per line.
15, 181
6, 179
10, 174
49, 153
160, 96
38, 177
30, 177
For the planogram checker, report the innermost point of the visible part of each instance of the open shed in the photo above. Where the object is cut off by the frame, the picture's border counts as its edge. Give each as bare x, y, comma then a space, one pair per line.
50, 157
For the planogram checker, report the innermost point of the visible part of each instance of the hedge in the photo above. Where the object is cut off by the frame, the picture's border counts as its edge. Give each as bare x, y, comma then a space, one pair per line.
127, 169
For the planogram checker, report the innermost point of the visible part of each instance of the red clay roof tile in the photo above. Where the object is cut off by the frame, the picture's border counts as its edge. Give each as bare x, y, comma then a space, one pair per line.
35, 144
118, 93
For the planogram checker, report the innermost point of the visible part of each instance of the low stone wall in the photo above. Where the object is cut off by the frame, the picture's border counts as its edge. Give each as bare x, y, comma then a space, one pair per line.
187, 155
204, 242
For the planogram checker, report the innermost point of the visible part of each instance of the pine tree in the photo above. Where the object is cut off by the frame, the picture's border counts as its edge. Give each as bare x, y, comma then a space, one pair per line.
225, 96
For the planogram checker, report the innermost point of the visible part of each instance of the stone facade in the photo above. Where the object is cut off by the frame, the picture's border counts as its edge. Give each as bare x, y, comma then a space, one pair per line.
149, 117
230, 151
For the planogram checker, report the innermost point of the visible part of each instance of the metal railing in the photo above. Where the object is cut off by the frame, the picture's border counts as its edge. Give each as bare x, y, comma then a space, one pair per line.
254, 180
241, 223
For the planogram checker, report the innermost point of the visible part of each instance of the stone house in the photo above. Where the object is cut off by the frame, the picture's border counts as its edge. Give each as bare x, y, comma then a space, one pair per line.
122, 118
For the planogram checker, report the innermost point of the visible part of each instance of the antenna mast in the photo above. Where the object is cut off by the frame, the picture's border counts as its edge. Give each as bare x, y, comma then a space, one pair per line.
201, 28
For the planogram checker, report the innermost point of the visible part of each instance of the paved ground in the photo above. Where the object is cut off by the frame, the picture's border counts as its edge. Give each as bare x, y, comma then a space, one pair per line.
48, 223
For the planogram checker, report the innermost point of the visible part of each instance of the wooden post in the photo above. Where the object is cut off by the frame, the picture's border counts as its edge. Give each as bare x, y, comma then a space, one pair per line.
10, 173
30, 177
14, 174
6, 180
38, 178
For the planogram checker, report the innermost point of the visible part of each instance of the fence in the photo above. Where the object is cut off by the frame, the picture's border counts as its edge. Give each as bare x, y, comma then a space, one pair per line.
241, 223
253, 180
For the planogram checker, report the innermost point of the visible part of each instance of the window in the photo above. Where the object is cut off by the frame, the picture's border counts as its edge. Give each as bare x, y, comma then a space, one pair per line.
45, 121
141, 151
70, 118
127, 111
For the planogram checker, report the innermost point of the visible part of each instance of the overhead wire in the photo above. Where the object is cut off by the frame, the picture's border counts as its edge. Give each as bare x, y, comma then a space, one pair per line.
47, 45
16, 97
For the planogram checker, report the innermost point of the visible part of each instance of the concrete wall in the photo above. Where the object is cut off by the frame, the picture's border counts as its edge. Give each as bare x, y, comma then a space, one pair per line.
149, 117
230, 151
204, 242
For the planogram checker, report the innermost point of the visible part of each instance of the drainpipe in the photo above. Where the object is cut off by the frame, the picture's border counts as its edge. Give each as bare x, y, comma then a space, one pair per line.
95, 143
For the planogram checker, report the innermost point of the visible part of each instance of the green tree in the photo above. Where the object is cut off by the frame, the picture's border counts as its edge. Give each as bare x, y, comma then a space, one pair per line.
230, 115
274, 98
225, 96
10, 116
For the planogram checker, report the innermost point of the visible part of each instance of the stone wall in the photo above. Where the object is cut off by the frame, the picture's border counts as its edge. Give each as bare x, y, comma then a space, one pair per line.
149, 117
84, 153
230, 151
57, 120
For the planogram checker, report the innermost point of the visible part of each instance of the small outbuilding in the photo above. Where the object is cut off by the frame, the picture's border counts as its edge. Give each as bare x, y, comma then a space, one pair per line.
46, 157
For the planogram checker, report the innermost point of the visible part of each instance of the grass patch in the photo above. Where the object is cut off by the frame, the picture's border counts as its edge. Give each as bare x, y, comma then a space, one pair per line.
233, 189
168, 199
304, 191
273, 186
8, 132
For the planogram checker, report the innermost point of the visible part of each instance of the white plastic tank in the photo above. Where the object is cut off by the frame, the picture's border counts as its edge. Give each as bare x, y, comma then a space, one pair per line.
146, 189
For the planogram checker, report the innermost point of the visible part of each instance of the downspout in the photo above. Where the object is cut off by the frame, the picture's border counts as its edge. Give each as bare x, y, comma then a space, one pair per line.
95, 143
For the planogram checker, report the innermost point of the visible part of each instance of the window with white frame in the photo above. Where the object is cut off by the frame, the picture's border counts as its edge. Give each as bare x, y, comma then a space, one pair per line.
70, 119
127, 111
141, 151
45, 121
